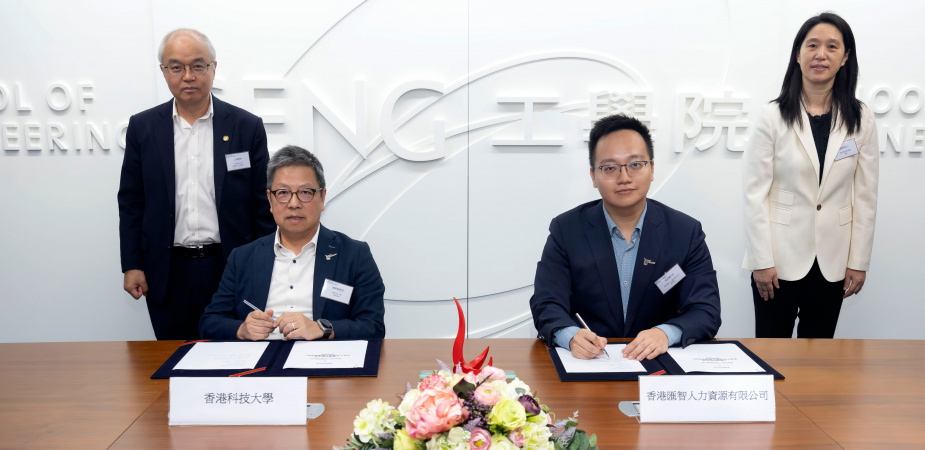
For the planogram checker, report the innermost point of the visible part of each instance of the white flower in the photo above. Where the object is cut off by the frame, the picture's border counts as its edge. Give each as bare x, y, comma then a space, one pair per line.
378, 417
458, 436
407, 401
536, 434
449, 441
516, 384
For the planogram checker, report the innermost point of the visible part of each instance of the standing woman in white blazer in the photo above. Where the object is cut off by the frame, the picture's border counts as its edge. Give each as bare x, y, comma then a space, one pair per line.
811, 187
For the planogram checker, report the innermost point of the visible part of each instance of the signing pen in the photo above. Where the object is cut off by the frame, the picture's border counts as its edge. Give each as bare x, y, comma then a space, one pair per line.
254, 307
589, 329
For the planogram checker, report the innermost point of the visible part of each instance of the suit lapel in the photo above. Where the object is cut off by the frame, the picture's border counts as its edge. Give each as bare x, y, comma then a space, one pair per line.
324, 267
650, 244
222, 126
264, 258
164, 147
595, 228
805, 134
836, 136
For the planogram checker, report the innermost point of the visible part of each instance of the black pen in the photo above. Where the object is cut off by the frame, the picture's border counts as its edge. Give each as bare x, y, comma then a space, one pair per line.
589, 329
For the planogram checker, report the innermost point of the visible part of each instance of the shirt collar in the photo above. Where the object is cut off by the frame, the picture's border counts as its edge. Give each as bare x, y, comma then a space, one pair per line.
279, 250
207, 116
612, 226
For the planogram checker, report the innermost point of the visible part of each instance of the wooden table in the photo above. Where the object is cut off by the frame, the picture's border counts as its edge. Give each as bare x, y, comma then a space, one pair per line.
838, 394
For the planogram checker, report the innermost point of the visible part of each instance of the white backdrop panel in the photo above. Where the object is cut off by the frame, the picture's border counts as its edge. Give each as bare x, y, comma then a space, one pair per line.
419, 112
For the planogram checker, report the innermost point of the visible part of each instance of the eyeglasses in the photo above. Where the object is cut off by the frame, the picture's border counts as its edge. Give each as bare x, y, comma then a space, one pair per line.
305, 195
177, 69
632, 167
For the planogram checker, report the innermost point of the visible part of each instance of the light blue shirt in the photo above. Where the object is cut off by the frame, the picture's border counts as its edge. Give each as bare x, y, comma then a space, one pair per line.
625, 255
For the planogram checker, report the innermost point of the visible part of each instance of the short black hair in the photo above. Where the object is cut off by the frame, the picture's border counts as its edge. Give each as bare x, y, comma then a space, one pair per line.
292, 155
614, 123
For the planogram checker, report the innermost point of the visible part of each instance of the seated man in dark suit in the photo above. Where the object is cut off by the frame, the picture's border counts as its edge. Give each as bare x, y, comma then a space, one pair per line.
603, 258
309, 282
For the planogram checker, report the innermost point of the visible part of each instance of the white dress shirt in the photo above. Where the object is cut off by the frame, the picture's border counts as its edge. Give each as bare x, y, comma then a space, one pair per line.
196, 211
292, 281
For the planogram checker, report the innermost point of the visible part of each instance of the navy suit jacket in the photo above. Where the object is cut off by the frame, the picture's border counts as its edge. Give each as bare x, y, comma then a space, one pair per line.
578, 274
147, 190
247, 277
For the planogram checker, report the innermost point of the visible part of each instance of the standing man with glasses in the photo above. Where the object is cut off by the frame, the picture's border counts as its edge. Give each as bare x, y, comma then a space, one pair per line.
191, 190
629, 266
304, 281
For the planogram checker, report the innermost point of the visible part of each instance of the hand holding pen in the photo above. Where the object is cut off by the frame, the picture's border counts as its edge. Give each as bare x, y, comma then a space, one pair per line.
586, 344
257, 325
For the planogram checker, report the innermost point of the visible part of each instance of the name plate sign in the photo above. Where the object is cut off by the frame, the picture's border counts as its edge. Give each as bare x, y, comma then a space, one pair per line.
707, 398
237, 401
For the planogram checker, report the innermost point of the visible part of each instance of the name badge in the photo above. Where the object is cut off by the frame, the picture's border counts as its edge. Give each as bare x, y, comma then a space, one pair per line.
848, 148
237, 401
238, 161
339, 292
670, 279
707, 398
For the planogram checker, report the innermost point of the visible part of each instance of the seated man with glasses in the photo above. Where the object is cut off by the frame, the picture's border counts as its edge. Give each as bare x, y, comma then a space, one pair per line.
304, 281
611, 262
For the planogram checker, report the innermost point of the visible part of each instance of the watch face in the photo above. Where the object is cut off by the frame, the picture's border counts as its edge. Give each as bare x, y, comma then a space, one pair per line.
326, 324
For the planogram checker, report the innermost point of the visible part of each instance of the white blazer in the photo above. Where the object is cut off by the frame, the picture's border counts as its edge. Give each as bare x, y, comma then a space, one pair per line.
790, 218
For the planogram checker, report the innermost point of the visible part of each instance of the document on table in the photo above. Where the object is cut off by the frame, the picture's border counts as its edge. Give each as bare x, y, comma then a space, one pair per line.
724, 358
326, 355
222, 356
601, 364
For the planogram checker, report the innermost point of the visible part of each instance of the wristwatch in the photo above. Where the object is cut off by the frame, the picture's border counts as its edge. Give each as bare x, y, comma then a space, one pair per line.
326, 327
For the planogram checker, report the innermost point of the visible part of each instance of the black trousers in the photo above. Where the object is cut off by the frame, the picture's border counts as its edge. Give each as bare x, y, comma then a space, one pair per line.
815, 300
191, 283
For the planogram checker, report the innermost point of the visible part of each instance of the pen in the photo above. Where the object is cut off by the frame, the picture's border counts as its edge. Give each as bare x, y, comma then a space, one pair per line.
254, 307
258, 309
587, 328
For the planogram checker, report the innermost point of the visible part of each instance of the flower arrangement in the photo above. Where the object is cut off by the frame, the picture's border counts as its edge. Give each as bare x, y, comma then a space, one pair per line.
461, 411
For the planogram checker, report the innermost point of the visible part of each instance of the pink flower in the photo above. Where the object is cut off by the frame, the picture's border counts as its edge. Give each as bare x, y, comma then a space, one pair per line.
488, 373
486, 394
434, 411
432, 381
493, 373
517, 437
480, 439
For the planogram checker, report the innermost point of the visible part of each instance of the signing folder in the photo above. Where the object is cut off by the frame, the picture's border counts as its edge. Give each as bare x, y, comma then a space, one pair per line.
663, 364
269, 358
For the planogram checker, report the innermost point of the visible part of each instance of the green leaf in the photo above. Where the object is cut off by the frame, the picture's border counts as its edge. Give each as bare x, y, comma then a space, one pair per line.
579, 441
462, 388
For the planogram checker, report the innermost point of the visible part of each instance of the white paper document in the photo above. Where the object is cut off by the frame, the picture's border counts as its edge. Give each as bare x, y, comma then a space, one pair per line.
222, 355
601, 364
725, 358
326, 355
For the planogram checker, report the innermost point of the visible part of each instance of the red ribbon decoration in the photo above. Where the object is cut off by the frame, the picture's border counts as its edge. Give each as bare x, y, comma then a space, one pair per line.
475, 366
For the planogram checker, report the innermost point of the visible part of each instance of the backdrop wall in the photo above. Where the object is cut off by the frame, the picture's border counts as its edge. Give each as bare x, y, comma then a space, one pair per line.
451, 134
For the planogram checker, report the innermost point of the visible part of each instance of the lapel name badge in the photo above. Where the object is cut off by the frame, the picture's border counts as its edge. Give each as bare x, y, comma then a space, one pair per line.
238, 161
670, 279
646, 262
328, 257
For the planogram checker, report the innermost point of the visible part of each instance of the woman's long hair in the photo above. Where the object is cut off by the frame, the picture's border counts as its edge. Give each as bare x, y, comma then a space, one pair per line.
844, 102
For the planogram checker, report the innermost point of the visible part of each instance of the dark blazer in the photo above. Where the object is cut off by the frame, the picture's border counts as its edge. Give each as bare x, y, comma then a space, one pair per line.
247, 277
147, 190
578, 274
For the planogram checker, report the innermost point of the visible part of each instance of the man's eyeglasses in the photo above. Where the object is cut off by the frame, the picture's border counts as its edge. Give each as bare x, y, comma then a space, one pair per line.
305, 195
632, 167
177, 69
